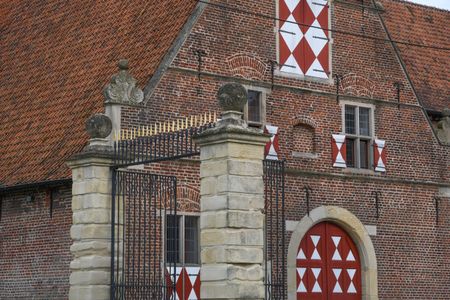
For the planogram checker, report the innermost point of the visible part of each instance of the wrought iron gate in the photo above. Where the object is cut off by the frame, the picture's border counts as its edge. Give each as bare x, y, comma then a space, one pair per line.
141, 204
143, 201
275, 231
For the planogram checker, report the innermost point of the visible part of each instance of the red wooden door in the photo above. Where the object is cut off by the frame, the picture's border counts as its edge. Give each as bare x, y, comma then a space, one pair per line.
328, 265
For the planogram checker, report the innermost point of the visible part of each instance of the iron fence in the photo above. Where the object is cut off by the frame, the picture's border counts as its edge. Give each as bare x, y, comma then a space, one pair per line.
275, 230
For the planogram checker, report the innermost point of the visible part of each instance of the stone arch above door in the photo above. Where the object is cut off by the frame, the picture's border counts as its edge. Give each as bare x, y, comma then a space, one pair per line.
355, 229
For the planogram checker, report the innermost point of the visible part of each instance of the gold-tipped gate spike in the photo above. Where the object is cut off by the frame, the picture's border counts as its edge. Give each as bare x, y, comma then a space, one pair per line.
192, 121
205, 119
173, 125
178, 124
209, 117
186, 124
215, 117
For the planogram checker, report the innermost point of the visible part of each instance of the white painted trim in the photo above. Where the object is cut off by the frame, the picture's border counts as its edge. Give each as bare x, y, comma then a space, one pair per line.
357, 232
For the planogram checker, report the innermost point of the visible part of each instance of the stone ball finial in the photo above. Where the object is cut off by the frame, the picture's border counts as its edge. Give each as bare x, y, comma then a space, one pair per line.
232, 97
123, 64
446, 112
98, 126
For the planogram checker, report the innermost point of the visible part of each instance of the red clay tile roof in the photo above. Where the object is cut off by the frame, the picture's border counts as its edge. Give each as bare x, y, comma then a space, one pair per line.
429, 68
55, 59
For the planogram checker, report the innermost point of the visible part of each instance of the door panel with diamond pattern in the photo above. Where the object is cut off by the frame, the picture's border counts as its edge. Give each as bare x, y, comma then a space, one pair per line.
328, 265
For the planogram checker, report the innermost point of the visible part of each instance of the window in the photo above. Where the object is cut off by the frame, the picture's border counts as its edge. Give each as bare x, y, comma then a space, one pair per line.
303, 38
358, 131
255, 110
182, 238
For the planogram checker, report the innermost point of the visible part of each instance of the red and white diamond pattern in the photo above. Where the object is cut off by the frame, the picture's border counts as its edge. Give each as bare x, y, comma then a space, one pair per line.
379, 155
272, 147
328, 265
338, 150
187, 282
304, 38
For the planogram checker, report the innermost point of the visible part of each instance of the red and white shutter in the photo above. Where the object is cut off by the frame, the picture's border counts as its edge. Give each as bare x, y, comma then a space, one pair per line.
338, 150
272, 147
304, 49
379, 155
187, 282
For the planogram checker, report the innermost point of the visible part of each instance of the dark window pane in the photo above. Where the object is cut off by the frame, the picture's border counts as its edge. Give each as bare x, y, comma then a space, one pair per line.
254, 106
173, 238
364, 124
350, 117
364, 154
191, 240
350, 158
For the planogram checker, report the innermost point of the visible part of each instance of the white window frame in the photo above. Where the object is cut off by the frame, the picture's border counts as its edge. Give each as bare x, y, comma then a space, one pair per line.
182, 237
357, 136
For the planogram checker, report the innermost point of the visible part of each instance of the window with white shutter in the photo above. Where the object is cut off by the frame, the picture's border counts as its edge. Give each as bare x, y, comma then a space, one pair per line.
303, 37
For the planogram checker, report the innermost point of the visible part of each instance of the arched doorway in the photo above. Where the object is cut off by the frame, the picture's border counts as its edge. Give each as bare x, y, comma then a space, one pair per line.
351, 225
328, 265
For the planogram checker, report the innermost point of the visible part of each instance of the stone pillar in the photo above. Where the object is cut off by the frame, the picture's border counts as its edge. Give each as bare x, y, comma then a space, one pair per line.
232, 203
91, 207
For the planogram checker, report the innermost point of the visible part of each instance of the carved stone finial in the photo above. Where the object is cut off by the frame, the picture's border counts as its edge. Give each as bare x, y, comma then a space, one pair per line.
232, 97
122, 88
446, 112
98, 126
443, 126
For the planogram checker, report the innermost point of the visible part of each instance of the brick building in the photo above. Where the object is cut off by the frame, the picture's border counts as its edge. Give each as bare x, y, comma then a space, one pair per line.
354, 92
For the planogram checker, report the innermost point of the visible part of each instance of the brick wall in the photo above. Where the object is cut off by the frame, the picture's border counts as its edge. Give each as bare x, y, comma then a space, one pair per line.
412, 251
34, 247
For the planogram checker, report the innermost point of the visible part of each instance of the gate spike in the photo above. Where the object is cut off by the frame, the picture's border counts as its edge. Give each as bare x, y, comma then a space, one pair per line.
186, 123
178, 124
173, 126
164, 127
160, 127
209, 117
192, 121
215, 117
147, 132
204, 119
156, 129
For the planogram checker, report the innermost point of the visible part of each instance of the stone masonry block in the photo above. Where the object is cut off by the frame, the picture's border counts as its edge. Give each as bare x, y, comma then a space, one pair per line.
239, 201
222, 272
232, 219
240, 184
91, 201
89, 292
237, 237
245, 219
213, 167
214, 219
91, 262
91, 186
92, 216
92, 231
87, 248
232, 254
232, 150
232, 290
213, 203
89, 278
208, 186
245, 167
